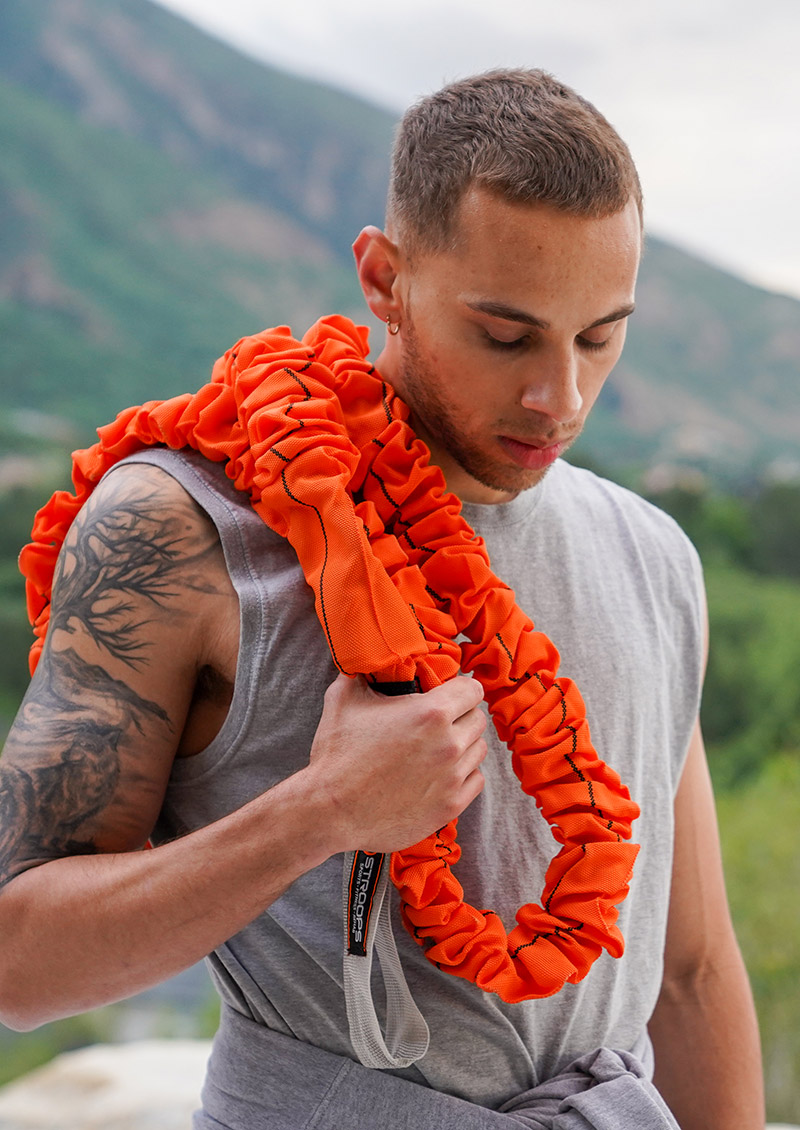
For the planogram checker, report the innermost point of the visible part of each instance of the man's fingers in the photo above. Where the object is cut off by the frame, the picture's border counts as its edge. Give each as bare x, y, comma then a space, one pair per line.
462, 692
473, 787
471, 725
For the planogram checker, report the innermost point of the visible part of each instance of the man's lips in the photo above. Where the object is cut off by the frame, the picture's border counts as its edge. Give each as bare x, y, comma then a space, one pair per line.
534, 457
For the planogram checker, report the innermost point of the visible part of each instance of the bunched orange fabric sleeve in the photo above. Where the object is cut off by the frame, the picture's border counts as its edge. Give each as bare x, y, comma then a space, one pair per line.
324, 450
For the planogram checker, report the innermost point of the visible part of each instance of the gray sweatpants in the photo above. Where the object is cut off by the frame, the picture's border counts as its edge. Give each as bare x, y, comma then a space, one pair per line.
282, 1084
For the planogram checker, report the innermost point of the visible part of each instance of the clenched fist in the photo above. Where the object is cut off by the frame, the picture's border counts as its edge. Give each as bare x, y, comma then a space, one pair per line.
396, 769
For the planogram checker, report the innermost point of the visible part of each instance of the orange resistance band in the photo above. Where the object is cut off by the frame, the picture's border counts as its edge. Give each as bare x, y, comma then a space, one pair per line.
324, 450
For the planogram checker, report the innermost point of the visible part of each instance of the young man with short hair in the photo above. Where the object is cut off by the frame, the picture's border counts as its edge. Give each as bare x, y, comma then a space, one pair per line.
186, 693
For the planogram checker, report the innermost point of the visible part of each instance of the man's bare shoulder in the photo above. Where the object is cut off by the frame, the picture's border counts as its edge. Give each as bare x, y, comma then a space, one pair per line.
138, 580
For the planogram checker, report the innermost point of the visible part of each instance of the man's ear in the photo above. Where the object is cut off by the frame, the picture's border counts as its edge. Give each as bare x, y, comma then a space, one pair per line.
378, 267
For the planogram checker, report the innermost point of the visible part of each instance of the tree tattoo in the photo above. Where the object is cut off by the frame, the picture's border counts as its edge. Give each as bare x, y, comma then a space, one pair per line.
129, 554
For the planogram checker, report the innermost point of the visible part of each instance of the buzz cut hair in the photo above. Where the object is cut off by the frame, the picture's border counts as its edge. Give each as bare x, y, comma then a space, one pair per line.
521, 134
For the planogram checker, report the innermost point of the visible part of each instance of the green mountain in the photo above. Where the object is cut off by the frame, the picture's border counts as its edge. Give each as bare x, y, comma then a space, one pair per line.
161, 195
709, 376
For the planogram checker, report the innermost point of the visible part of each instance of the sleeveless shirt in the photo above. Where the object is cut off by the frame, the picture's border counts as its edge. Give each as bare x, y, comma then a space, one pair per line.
618, 588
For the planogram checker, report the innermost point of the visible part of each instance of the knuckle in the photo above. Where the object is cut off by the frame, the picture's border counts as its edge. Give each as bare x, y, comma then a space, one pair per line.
335, 689
452, 748
472, 688
435, 714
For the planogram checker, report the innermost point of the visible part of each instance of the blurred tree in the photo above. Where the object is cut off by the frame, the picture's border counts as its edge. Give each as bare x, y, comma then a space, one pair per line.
776, 530
751, 701
17, 508
720, 525
758, 825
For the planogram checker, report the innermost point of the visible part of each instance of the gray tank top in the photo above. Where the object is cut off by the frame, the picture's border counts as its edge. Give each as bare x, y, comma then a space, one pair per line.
618, 588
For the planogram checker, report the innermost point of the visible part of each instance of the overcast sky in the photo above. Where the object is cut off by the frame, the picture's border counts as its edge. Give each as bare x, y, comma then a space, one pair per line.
705, 92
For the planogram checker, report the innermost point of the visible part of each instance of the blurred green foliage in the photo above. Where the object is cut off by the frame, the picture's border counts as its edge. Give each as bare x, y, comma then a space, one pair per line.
750, 545
758, 827
756, 529
17, 507
751, 704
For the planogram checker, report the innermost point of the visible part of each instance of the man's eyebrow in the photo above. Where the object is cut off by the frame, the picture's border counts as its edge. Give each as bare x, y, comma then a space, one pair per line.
509, 313
514, 314
617, 316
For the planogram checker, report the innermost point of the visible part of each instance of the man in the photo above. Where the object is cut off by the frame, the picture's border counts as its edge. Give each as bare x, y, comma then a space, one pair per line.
180, 693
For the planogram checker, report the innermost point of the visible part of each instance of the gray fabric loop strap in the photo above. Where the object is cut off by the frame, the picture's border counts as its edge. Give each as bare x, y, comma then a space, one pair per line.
368, 929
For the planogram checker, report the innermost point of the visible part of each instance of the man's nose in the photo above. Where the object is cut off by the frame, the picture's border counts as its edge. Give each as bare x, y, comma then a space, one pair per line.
552, 387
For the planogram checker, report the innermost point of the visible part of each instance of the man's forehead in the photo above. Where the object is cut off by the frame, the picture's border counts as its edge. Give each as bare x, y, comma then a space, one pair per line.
533, 264
486, 212
506, 244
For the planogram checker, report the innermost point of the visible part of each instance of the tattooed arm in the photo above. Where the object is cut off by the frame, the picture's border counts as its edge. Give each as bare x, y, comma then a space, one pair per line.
142, 607
87, 760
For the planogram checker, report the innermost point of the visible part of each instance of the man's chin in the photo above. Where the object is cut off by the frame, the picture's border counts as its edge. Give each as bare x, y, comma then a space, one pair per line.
505, 483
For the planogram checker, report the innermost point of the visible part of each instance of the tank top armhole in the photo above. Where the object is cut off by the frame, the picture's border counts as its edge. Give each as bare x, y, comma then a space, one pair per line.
207, 484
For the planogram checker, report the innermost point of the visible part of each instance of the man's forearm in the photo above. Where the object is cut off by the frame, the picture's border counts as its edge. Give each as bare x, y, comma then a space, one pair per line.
707, 1049
84, 931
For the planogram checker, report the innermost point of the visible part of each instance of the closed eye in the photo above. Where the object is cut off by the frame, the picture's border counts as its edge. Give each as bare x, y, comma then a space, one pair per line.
506, 346
592, 346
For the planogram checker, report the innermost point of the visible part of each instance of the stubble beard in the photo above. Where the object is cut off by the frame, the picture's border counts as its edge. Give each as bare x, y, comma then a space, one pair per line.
436, 424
